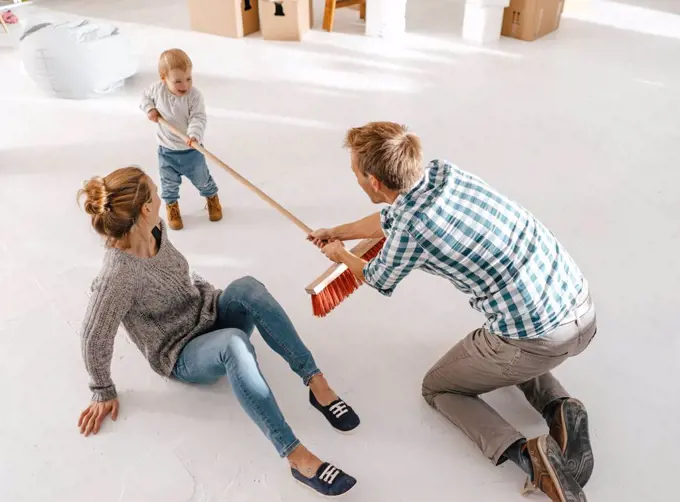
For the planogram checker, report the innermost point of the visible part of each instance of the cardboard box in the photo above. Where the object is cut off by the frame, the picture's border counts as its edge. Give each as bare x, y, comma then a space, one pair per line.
286, 20
227, 18
531, 19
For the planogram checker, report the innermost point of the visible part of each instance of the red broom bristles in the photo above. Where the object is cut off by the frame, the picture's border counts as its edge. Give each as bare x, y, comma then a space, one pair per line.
341, 287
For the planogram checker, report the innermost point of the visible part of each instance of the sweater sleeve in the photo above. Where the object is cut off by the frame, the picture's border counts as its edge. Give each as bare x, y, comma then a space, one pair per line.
197, 116
200, 282
112, 297
149, 98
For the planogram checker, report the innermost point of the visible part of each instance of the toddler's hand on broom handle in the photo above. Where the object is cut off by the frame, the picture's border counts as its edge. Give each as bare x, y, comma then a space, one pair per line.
153, 115
191, 141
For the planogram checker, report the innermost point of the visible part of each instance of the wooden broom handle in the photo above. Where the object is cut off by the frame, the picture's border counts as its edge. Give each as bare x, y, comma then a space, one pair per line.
240, 178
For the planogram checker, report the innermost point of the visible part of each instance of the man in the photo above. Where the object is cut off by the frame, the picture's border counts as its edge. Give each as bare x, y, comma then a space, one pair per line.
538, 311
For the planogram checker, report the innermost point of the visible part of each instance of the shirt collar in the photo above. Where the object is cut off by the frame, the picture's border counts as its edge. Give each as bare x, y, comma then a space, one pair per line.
402, 199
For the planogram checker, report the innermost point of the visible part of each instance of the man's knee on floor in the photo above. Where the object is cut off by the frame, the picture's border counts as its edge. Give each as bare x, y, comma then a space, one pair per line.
436, 384
428, 386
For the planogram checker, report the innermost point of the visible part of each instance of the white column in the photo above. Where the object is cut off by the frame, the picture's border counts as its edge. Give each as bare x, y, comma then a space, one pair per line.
483, 20
385, 18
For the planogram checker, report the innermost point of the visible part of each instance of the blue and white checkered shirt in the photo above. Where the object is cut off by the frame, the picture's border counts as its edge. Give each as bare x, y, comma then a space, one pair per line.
452, 224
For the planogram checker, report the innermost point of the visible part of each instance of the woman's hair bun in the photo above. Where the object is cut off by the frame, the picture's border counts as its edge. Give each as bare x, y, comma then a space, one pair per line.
96, 196
115, 202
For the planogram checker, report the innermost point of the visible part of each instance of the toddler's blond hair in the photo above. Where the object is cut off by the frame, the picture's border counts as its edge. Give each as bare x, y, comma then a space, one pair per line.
173, 59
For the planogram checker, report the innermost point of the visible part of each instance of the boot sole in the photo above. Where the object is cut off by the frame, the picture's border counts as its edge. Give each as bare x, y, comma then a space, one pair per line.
568, 490
577, 451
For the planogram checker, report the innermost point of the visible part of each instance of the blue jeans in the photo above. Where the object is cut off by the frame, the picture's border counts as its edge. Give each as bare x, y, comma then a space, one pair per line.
177, 163
227, 350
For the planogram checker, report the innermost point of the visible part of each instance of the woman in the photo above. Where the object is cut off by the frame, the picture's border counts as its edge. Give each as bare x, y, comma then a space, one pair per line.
189, 330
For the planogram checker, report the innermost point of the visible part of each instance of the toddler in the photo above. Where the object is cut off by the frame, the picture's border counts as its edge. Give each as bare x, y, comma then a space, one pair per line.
176, 100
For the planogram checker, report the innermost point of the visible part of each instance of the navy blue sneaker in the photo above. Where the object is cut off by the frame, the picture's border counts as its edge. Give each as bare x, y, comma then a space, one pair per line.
328, 481
340, 415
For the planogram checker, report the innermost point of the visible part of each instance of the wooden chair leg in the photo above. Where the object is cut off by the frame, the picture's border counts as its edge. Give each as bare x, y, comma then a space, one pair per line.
362, 10
329, 15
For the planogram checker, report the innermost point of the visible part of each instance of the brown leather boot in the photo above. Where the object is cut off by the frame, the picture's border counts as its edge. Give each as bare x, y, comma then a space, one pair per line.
214, 208
569, 428
550, 472
174, 216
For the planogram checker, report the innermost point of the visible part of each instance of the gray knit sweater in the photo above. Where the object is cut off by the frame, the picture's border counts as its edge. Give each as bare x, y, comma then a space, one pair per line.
160, 302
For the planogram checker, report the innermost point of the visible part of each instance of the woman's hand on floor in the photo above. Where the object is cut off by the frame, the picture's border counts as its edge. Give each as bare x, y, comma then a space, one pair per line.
91, 419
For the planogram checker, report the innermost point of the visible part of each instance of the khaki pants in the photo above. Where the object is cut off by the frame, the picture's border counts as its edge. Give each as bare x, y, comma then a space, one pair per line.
483, 362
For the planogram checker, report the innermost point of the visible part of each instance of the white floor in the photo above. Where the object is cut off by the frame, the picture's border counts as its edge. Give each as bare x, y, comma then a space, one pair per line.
581, 127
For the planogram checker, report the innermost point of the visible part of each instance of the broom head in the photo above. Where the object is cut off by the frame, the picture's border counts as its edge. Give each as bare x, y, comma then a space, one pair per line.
338, 282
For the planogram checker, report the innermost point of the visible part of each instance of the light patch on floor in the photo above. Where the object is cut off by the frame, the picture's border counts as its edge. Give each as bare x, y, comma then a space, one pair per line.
581, 127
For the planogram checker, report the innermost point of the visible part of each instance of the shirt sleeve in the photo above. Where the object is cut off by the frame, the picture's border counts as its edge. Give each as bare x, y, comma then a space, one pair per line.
197, 116
398, 257
148, 98
109, 303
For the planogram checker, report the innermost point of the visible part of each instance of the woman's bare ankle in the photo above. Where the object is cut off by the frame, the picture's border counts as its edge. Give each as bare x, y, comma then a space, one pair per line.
321, 390
304, 461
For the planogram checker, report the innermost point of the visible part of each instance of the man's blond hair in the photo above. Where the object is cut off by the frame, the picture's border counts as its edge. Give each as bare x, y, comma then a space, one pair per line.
173, 59
389, 152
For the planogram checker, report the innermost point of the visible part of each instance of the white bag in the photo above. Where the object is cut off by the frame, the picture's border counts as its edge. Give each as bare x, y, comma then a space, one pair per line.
77, 59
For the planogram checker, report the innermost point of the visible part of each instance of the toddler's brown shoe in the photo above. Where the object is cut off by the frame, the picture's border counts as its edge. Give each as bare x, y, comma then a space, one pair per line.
174, 216
214, 208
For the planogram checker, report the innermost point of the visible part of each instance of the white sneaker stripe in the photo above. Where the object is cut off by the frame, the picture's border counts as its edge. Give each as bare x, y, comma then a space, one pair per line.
333, 476
339, 409
329, 474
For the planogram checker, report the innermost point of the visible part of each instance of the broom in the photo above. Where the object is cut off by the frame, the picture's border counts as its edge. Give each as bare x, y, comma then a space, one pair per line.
338, 282
334, 285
